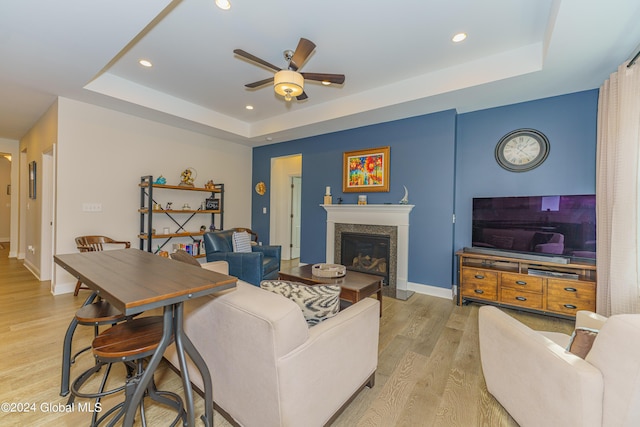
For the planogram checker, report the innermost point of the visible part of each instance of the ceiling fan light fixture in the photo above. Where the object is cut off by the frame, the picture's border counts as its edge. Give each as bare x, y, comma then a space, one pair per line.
223, 4
288, 83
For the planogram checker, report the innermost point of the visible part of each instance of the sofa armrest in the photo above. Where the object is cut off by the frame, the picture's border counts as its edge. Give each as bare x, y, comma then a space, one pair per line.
340, 356
221, 267
589, 319
273, 251
526, 372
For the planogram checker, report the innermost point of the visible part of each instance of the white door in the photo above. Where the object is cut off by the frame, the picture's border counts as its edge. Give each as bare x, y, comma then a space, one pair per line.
296, 187
46, 236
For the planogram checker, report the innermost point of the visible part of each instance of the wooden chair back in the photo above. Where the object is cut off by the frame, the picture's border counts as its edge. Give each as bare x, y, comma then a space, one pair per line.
96, 243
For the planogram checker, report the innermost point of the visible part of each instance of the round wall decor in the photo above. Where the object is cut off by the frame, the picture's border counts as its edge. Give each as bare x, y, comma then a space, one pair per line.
522, 150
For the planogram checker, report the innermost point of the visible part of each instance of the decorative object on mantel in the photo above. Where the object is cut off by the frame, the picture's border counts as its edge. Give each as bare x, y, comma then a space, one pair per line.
339, 200
187, 177
362, 199
261, 188
405, 199
328, 270
327, 196
365, 170
210, 185
161, 180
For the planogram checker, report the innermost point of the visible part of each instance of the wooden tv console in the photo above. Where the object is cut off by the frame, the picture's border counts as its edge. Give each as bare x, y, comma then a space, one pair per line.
544, 287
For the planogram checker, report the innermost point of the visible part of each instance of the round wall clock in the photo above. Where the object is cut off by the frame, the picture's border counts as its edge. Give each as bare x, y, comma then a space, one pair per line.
522, 150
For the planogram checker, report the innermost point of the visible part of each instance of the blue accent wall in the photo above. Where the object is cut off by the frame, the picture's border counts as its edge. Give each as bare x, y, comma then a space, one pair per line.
568, 121
444, 159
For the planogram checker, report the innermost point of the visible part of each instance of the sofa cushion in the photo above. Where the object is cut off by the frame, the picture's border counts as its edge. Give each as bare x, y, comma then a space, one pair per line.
241, 242
317, 302
581, 341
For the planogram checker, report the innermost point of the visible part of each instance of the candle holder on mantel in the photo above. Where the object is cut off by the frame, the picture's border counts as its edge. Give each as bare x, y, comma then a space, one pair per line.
328, 200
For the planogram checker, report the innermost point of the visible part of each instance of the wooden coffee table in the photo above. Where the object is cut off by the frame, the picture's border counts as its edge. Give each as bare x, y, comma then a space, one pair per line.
354, 285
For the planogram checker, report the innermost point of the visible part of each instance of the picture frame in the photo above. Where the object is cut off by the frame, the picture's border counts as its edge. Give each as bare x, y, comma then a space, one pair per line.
365, 170
32, 179
212, 204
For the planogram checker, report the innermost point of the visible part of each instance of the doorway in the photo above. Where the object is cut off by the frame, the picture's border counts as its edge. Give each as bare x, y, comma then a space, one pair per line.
296, 191
283, 170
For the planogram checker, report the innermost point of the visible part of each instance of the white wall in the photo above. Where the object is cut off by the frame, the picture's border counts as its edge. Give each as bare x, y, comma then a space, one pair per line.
101, 156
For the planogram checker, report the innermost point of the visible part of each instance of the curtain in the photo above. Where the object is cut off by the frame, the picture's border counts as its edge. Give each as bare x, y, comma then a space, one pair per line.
617, 176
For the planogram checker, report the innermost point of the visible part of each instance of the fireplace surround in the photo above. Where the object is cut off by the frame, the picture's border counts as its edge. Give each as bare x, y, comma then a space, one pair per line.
390, 220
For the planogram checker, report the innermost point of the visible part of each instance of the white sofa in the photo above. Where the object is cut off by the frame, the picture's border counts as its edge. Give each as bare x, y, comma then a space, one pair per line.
541, 384
268, 368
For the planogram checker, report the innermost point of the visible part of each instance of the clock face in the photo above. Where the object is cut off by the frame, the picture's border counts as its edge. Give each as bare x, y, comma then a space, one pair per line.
522, 150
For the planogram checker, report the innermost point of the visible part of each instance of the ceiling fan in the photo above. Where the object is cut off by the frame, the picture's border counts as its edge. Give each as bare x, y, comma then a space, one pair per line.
290, 82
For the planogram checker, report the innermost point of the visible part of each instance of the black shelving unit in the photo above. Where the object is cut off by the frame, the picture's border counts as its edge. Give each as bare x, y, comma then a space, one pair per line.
180, 217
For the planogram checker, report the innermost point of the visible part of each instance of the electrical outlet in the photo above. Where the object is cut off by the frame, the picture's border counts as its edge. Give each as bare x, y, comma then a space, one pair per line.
91, 207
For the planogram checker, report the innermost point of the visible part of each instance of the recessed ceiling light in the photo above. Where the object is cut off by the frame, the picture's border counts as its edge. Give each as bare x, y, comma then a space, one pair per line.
223, 4
145, 63
459, 37
249, 107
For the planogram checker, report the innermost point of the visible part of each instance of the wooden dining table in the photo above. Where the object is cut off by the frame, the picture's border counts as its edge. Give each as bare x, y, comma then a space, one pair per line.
134, 281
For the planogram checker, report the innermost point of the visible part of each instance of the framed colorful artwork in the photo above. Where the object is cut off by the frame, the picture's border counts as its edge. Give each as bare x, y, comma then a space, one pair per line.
365, 170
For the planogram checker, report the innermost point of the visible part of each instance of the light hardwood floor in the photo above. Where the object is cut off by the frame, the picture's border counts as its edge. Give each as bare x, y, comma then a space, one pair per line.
428, 374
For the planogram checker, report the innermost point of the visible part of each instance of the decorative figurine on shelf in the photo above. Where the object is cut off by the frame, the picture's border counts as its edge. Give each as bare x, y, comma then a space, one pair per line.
203, 228
157, 207
168, 207
212, 228
405, 199
161, 180
187, 177
186, 207
210, 185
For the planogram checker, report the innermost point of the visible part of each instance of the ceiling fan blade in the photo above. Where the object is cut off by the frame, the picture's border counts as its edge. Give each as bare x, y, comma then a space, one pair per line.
302, 96
304, 49
324, 77
253, 58
259, 83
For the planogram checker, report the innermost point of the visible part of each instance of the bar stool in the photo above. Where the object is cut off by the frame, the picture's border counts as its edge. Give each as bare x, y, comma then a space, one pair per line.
132, 342
93, 314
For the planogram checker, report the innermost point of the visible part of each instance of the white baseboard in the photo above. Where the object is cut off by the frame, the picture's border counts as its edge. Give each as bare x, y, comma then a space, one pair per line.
32, 268
434, 291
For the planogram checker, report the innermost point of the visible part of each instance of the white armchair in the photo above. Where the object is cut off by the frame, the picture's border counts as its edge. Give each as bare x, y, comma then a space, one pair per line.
268, 368
540, 383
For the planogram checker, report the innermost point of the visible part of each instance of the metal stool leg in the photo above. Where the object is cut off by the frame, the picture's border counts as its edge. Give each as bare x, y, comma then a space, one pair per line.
66, 350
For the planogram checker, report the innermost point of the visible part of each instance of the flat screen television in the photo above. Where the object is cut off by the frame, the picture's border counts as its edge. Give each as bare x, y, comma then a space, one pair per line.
540, 225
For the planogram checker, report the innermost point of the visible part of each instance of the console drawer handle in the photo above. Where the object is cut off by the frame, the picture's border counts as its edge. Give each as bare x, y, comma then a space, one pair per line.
479, 276
521, 282
571, 289
521, 298
478, 291
572, 307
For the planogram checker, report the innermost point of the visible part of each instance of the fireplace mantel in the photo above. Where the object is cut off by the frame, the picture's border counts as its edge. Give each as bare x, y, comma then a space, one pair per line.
392, 215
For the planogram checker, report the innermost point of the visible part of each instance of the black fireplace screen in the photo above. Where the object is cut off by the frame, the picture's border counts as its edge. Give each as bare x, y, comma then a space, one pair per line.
367, 253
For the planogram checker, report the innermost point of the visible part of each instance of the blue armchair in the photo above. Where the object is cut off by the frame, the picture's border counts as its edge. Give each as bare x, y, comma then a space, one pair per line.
262, 263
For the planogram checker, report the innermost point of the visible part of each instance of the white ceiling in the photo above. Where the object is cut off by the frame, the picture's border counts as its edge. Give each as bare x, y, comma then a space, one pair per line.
398, 58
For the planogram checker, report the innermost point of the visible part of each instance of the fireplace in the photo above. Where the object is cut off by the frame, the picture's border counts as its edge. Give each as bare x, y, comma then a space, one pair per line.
367, 253
376, 220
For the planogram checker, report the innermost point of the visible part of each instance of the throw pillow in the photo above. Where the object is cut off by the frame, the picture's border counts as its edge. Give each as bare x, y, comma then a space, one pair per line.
581, 341
317, 302
241, 242
502, 242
